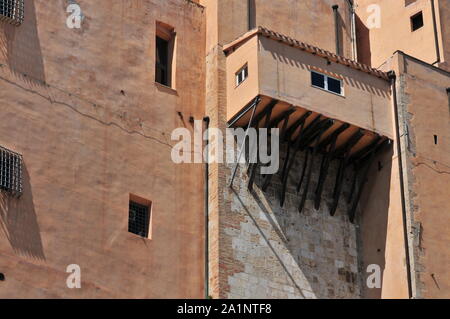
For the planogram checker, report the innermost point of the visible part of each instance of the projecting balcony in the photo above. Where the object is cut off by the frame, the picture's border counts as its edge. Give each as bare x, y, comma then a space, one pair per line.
321, 102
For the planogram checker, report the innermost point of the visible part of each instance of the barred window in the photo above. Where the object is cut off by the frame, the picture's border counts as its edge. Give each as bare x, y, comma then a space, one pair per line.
10, 172
12, 11
139, 219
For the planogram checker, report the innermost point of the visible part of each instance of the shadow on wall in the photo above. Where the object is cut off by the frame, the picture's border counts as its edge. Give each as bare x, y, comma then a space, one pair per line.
291, 56
19, 223
20, 47
363, 43
373, 221
309, 254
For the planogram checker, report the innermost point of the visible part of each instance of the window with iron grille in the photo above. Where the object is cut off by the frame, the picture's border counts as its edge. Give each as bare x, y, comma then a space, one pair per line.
138, 219
12, 11
10, 172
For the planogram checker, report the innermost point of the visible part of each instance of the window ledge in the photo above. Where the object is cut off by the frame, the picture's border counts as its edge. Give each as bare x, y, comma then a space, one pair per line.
334, 93
166, 89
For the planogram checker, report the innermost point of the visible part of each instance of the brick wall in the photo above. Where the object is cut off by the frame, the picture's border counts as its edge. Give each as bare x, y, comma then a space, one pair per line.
268, 251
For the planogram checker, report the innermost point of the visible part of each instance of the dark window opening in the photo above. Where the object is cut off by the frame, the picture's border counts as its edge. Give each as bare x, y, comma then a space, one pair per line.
435, 139
165, 55
241, 75
318, 80
12, 11
162, 61
10, 172
417, 21
139, 219
326, 83
334, 85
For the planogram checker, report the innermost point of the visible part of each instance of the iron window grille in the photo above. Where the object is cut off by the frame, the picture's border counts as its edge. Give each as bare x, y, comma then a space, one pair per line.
11, 172
139, 219
12, 11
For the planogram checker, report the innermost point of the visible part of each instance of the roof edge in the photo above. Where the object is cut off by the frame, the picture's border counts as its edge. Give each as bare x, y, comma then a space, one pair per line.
304, 47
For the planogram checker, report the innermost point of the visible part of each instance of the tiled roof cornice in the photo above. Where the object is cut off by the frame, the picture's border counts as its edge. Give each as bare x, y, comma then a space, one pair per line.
305, 47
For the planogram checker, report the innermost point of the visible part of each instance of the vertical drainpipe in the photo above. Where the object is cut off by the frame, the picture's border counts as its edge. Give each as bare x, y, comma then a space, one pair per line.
206, 204
336, 28
250, 13
393, 78
351, 5
436, 38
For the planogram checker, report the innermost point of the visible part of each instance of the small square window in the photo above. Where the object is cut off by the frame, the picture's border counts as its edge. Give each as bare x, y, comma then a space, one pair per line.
241, 75
318, 80
139, 219
417, 21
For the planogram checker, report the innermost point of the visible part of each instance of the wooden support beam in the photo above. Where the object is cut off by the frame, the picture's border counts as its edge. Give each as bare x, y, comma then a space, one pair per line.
331, 139
364, 151
310, 137
254, 166
274, 123
345, 151
323, 172
311, 165
352, 141
305, 165
291, 130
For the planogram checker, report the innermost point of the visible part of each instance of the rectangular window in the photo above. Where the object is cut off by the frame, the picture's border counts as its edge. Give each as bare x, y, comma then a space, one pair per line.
12, 11
10, 172
417, 21
164, 55
326, 83
139, 219
241, 75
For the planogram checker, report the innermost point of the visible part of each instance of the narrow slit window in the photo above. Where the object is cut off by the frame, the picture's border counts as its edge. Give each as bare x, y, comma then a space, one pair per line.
241, 75
164, 55
326, 83
139, 219
417, 21
162, 58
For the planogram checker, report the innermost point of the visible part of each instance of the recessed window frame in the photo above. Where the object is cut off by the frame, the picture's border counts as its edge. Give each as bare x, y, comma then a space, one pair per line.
325, 88
241, 75
165, 35
144, 205
414, 16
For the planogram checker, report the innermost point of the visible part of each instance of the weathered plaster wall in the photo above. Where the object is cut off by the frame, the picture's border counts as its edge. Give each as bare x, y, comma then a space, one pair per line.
424, 113
308, 21
377, 43
277, 252
381, 235
83, 109
285, 75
